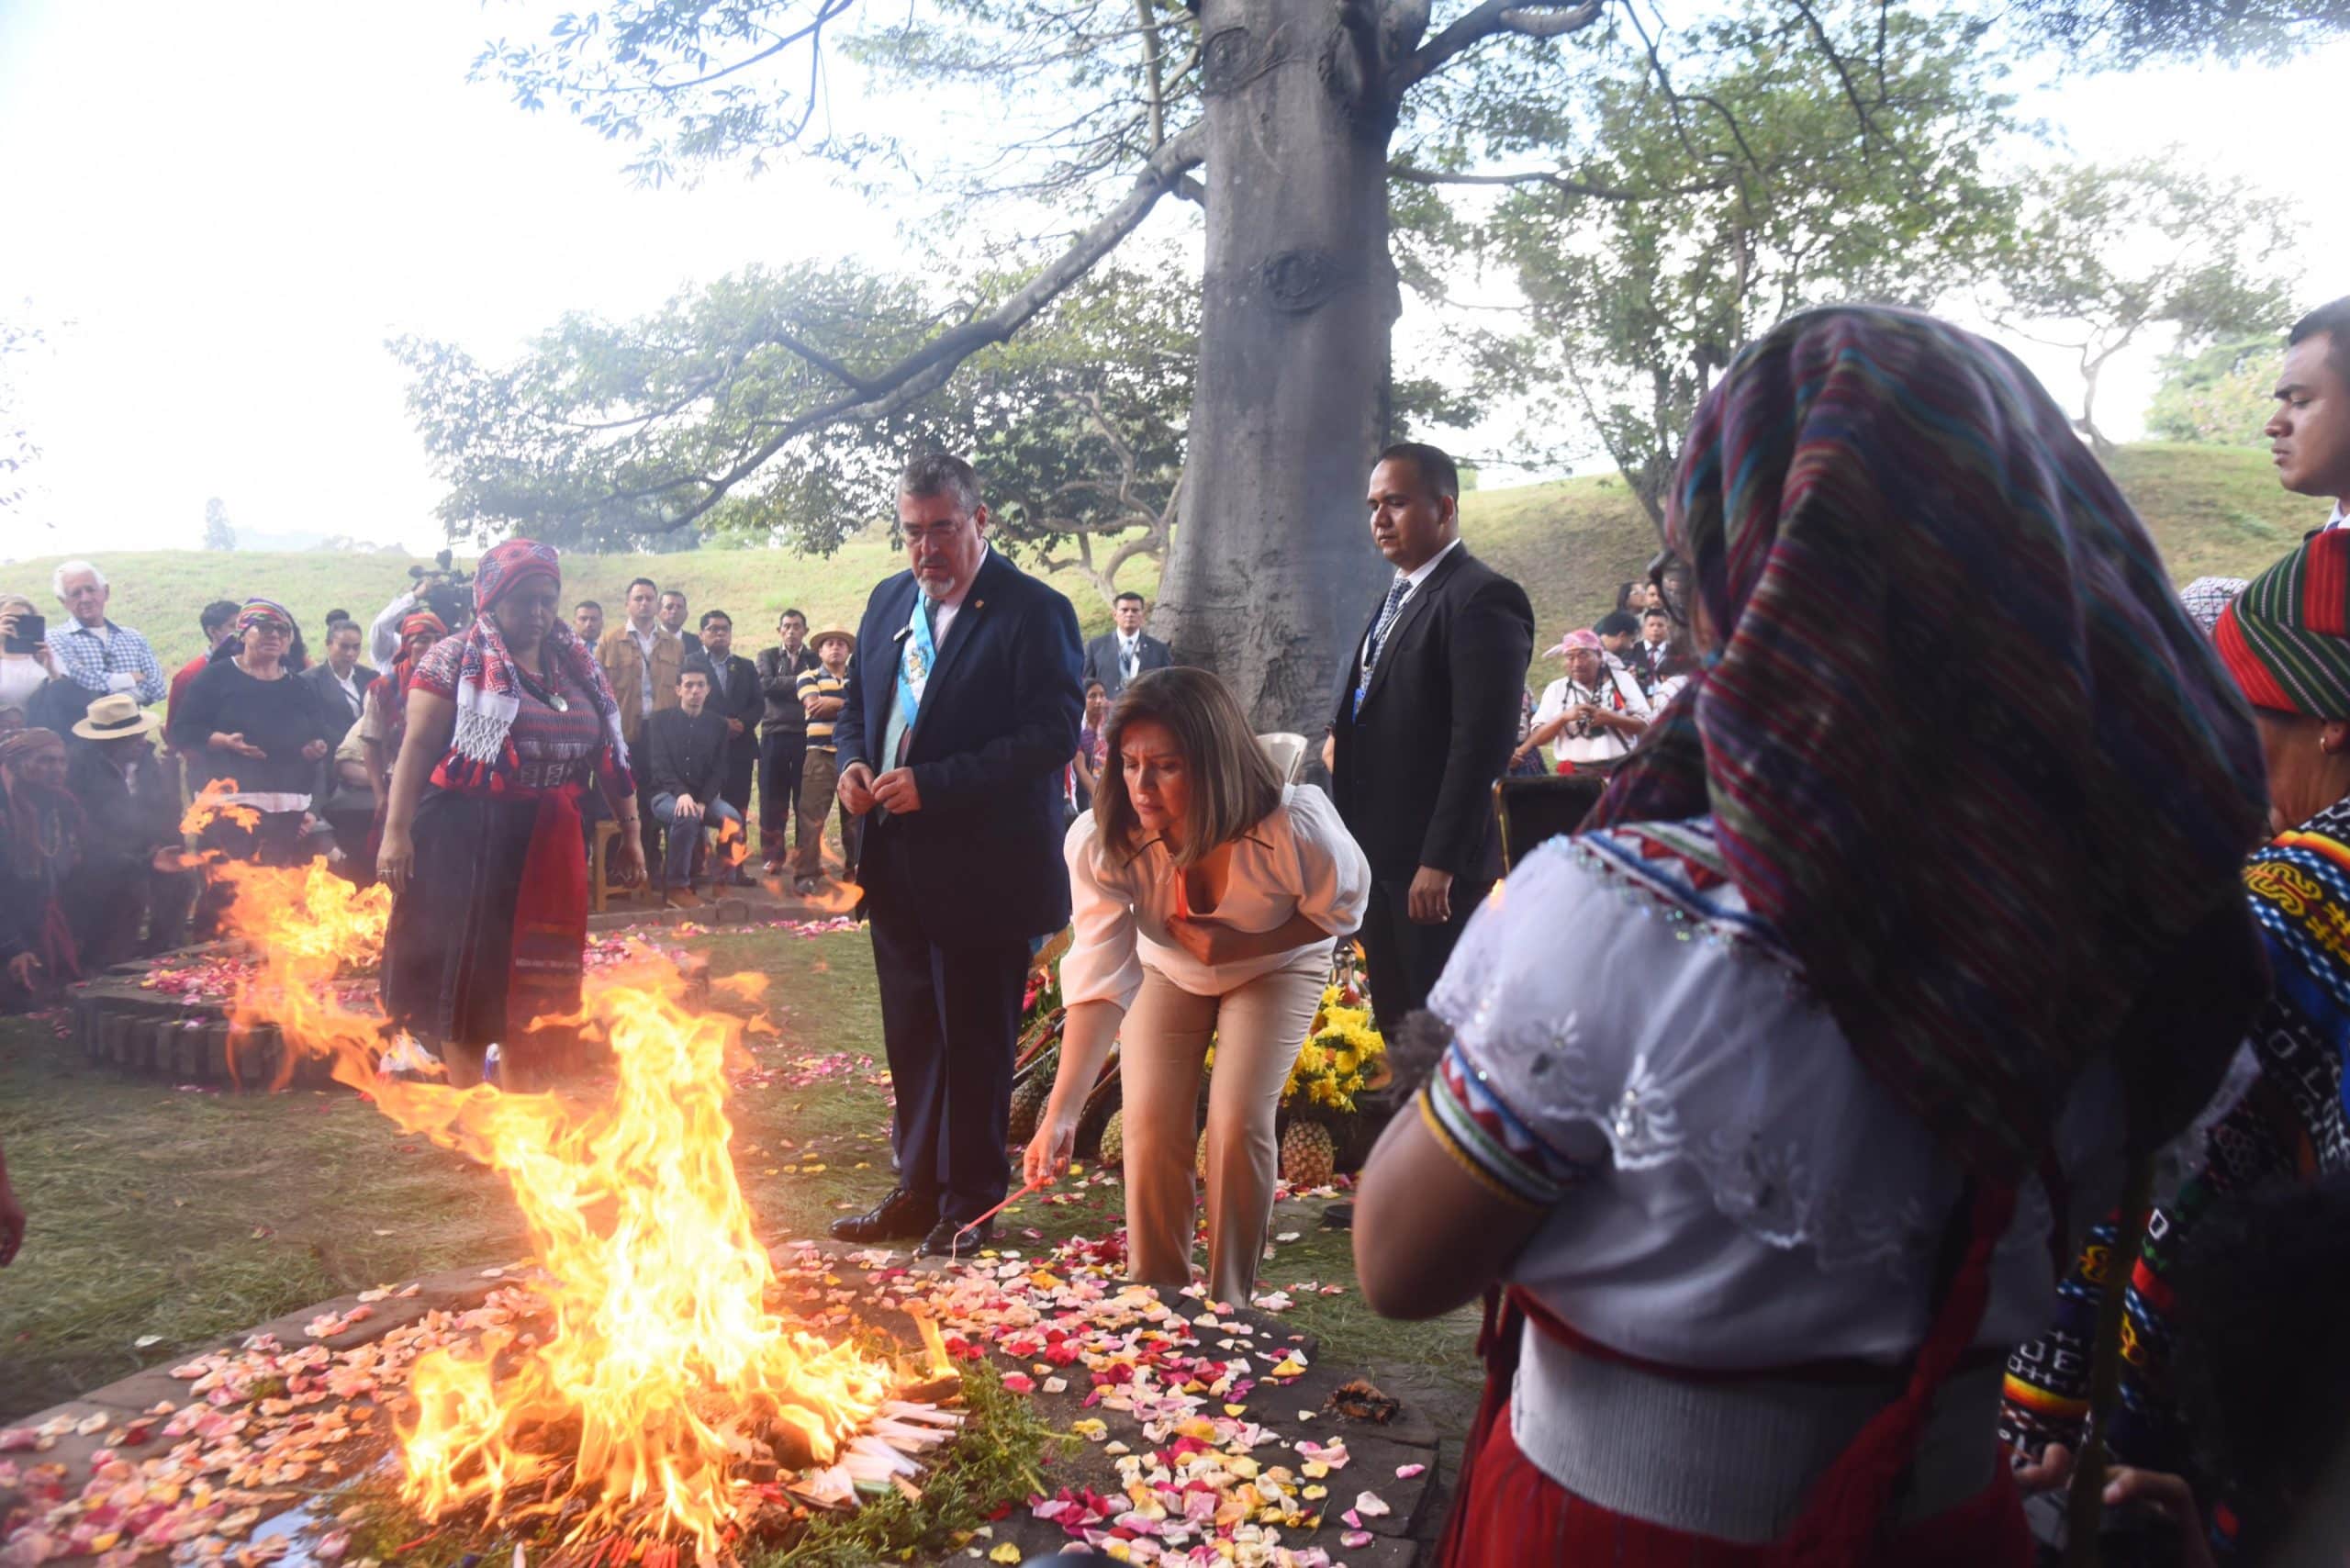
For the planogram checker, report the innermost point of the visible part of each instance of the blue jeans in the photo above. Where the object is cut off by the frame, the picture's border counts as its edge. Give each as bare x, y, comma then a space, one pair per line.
678, 860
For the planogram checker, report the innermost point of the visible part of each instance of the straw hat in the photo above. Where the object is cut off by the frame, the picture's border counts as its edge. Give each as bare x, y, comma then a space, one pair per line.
817, 641
115, 716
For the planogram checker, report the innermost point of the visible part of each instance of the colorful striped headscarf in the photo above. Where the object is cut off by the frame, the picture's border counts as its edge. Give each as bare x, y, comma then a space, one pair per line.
258, 609
2286, 638
1963, 747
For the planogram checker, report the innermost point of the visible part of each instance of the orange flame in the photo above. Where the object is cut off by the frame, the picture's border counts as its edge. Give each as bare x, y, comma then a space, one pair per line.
208, 804
664, 1376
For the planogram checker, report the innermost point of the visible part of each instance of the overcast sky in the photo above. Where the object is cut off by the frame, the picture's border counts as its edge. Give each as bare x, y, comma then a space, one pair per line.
219, 213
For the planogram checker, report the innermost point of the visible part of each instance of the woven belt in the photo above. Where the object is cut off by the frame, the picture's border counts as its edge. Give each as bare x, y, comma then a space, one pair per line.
1733, 1461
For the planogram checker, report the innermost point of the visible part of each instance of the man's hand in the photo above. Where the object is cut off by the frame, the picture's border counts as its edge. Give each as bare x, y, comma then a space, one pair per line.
895, 793
734, 728
25, 969
1431, 897
314, 751
856, 789
686, 808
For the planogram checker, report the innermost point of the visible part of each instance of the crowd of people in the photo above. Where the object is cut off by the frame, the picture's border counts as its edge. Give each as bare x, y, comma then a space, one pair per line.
1917, 1085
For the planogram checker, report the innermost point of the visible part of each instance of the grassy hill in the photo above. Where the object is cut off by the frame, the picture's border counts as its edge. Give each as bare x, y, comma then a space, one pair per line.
2211, 510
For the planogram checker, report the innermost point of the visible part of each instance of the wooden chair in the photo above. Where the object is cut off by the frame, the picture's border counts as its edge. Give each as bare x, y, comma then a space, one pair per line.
1286, 750
598, 863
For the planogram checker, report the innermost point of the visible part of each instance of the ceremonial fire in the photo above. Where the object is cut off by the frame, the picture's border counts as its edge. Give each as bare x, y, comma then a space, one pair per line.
665, 1397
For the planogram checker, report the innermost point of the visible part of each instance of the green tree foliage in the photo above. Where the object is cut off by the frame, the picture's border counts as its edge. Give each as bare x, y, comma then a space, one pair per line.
2109, 254
646, 433
218, 534
2220, 396
1692, 173
1748, 176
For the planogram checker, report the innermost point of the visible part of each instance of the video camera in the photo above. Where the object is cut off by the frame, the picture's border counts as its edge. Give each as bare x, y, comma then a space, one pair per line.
446, 591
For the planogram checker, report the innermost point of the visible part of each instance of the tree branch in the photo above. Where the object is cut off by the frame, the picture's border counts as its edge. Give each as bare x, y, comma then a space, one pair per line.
1415, 175
1533, 18
926, 369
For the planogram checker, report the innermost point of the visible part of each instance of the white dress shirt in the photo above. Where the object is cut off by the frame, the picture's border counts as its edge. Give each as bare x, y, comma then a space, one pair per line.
1412, 581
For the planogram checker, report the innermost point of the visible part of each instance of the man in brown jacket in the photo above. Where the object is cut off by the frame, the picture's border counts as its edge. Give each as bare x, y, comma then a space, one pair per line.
641, 659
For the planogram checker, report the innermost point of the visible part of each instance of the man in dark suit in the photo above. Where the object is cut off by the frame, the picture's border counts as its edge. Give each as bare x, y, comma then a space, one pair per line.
961, 710
734, 696
1444, 659
1116, 657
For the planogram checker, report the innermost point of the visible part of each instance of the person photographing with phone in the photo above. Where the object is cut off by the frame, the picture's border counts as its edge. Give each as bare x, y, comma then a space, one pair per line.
31, 679
1207, 899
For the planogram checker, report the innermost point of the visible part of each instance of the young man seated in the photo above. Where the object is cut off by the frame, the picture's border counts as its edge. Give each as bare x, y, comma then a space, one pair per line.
684, 765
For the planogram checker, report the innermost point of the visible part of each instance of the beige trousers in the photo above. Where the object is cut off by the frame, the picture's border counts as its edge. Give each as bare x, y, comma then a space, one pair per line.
1257, 1028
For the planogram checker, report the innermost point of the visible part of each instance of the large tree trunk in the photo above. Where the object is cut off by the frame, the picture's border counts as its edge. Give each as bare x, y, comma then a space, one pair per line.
1272, 572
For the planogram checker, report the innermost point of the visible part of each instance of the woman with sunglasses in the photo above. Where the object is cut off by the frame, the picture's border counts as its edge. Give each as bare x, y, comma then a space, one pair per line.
256, 727
1957, 807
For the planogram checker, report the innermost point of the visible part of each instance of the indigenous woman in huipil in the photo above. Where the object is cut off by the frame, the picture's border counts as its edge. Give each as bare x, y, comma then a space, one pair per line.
1913, 914
508, 724
2286, 638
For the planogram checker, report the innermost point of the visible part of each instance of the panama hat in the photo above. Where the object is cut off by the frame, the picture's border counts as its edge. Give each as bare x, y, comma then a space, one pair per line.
849, 637
115, 716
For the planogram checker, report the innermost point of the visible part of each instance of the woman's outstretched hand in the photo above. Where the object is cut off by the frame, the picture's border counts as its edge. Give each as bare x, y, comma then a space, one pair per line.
1049, 1151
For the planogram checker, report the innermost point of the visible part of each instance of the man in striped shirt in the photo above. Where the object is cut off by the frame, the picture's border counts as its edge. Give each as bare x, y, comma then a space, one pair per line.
821, 696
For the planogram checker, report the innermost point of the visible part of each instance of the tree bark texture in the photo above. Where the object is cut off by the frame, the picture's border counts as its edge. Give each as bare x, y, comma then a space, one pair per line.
1273, 574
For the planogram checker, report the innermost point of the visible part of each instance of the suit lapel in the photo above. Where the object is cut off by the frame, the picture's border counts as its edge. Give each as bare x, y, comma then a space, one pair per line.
1407, 617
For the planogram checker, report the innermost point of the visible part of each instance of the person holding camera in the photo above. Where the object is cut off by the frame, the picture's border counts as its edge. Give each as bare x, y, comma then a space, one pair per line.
31, 682
1595, 714
439, 591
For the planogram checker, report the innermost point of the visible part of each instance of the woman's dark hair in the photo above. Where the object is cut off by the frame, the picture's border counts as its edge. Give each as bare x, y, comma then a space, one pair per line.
1624, 597
1093, 686
2261, 1365
1233, 785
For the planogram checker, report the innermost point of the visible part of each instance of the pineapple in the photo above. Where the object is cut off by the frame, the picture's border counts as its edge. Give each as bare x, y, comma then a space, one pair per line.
1114, 1141
1028, 1107
1309, 1158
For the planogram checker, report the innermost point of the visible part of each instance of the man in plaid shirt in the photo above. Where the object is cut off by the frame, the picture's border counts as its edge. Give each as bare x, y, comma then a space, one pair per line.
98, 654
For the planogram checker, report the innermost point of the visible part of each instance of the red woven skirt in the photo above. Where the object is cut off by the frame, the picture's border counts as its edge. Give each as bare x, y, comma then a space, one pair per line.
1518, 1518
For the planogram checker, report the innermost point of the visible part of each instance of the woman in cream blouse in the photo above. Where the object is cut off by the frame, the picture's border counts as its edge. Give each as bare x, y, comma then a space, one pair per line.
1207, 899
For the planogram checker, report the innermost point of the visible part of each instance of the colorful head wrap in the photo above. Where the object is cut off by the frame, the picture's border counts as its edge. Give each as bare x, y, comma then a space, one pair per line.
481, 757
21, 746
1962, 747
508, 566
2287, 637
1582, 637
259, 610
422, 621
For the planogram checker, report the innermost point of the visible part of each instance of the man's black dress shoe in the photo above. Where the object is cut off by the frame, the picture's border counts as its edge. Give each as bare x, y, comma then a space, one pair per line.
944, 1241
899, 1216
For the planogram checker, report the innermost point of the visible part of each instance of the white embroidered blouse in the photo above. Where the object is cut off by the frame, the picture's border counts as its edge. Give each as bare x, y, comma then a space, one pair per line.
1727, 1186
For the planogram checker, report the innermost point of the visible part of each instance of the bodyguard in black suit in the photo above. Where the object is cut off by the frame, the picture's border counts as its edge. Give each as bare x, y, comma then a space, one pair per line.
961, 710
735, 697
1427, 716
334, 698
1109, 657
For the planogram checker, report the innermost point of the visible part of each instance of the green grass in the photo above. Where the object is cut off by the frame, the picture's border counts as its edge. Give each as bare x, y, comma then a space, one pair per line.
190, 1216
2211, 510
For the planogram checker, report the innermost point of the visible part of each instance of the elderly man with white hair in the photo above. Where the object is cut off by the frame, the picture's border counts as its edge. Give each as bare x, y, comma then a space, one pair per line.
99, 655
